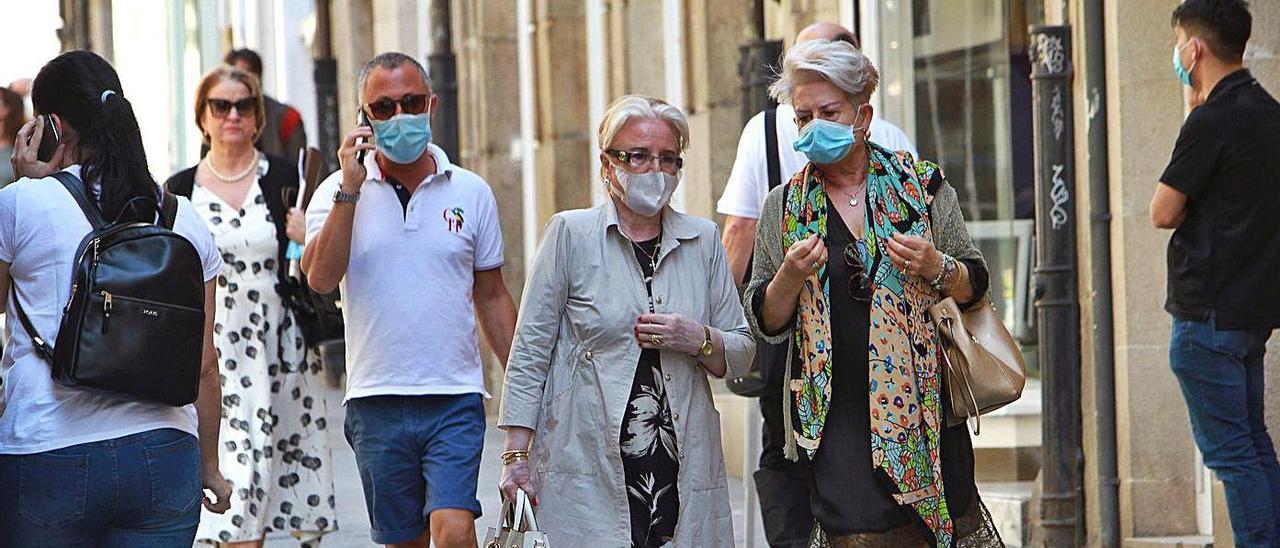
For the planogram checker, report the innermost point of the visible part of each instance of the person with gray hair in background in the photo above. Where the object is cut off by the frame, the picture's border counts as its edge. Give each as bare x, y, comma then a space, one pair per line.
630, 306
864, 400
415, 243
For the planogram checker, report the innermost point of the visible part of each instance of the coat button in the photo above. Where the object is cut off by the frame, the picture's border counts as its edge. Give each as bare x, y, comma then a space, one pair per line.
590, 356
668, 376
675, 416
658, 300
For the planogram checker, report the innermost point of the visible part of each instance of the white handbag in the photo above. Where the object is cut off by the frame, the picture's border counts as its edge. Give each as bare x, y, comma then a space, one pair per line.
517, 527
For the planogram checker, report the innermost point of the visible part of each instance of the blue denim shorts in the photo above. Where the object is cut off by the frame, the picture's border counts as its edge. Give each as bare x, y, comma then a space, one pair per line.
416, 455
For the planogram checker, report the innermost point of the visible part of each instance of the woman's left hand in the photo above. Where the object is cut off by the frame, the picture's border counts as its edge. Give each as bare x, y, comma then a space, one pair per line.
915, 256
669, 332
296, 225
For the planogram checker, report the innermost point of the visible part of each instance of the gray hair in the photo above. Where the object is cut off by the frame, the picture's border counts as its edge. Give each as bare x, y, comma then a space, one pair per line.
391, 60
624, 108
835, 61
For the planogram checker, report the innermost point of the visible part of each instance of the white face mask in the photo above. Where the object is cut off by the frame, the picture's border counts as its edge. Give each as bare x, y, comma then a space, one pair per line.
645, 193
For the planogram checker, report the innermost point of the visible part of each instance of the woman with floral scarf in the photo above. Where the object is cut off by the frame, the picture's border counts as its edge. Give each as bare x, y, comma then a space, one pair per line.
865, 399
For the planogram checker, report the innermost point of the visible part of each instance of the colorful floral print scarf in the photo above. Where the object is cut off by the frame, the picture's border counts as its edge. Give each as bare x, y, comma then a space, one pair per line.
905, 380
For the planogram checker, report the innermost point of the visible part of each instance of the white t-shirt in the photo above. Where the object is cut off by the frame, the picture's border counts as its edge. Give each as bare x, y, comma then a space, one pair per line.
749, 180
406, 297
40, 228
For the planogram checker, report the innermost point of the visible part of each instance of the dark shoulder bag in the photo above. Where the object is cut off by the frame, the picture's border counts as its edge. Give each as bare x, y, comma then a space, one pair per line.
135, 323
752, 383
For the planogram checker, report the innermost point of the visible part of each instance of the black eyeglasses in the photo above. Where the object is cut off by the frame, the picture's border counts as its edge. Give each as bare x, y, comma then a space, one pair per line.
860, 287
385, 108
642, 158
220, 108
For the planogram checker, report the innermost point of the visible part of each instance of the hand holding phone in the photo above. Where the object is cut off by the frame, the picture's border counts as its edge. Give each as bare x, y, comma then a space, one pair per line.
351, 155
38, 150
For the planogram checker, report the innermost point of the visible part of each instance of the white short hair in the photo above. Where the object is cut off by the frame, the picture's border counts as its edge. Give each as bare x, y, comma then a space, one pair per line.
836, 61
624, 108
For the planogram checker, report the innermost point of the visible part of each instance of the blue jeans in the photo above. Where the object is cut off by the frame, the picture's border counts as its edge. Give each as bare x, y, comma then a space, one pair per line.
137, 491
416, 455
1221, 376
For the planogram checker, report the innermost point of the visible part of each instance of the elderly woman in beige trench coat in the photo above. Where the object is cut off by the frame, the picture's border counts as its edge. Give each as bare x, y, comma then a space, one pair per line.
629, 307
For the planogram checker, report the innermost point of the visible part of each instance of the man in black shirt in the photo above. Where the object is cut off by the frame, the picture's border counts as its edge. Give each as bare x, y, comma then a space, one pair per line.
1221, 195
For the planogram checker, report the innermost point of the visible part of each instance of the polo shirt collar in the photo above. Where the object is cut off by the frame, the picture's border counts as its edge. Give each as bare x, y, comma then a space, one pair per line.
1230, 81
444, 168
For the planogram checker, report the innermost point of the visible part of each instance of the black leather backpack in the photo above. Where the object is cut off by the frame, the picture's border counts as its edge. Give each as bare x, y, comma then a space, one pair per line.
135, 321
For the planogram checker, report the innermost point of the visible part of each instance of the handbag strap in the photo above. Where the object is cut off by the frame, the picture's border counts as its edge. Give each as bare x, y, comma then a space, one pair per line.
964, 376
524, 518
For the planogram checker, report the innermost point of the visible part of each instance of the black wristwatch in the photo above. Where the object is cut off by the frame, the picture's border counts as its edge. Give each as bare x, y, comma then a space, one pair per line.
343, 197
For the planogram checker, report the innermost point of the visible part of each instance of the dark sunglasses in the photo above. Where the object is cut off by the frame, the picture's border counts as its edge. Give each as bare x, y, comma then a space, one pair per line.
222, 107
385, 108
860, 288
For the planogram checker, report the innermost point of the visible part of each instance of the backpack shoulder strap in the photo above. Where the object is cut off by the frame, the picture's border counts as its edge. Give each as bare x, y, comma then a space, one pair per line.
42, 347
76, 188
771, 147
168, 209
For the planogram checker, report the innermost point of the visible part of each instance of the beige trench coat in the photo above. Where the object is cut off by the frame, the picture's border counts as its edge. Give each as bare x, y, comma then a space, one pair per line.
574, 359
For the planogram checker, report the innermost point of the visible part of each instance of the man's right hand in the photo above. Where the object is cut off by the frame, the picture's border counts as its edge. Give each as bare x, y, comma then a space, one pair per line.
353, 172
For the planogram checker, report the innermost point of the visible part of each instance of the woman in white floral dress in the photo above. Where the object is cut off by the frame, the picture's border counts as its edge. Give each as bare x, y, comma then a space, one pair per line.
275, 448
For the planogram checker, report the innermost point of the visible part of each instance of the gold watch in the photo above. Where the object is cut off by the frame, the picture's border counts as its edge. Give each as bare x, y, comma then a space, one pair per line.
706, 348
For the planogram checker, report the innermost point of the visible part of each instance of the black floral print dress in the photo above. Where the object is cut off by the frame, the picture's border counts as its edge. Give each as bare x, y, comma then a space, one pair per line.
274, 433
648, 440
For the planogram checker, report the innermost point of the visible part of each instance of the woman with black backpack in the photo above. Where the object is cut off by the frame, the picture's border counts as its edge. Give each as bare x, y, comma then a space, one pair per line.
83, 466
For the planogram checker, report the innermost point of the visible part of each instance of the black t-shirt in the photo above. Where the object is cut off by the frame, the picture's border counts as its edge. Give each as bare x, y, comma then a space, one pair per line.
1224, 258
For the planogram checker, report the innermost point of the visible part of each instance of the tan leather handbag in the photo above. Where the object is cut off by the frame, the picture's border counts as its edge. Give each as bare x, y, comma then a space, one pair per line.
984, 367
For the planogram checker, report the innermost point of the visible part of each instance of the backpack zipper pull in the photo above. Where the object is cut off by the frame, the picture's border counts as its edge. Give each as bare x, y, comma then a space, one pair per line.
106, 310
67, 309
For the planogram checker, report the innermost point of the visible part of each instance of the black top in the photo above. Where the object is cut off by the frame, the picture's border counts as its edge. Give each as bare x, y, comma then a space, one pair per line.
402, 194
650, 464
1224, 257
848, 494
280, 175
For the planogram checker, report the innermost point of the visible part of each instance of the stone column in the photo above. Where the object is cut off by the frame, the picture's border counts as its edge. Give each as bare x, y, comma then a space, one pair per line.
562, 126
1156, 455
484, 38
352, 47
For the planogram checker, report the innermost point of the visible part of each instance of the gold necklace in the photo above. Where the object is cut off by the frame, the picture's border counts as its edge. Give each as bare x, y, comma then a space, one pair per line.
653, 257
231, 178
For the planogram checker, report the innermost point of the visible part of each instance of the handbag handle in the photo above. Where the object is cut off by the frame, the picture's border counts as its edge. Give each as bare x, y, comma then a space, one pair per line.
977, 413
524, 519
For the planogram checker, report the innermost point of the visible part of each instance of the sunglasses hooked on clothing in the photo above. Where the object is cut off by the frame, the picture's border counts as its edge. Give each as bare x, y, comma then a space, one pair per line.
385, 108
220, 108
860, 287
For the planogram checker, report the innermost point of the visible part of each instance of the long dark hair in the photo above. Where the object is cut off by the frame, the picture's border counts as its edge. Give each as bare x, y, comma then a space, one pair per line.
74, 86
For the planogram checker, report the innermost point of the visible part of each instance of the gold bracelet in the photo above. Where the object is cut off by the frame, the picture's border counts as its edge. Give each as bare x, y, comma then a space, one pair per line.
509, 457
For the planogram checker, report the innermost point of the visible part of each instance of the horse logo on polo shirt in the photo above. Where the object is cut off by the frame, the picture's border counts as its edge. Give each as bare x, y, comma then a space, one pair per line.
453, 218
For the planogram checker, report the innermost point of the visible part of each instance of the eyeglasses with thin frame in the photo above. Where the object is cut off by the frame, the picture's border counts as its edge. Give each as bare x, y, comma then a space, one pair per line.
220, 108
860, 287
641, 159
385, 108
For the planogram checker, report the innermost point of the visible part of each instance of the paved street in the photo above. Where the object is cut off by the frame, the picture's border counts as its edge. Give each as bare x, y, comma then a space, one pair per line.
354, 522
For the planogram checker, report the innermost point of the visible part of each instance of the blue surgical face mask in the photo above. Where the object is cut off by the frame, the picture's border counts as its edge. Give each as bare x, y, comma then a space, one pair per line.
403, 137
826, 142
1184, 74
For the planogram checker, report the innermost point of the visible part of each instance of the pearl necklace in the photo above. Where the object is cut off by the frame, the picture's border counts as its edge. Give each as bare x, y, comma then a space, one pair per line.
232, 178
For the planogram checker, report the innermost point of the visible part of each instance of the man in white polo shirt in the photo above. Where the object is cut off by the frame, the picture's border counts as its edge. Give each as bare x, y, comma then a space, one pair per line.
782, 486
415, 243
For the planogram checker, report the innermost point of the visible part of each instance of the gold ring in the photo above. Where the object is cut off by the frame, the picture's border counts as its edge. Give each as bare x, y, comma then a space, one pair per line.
656, 339
906, 265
